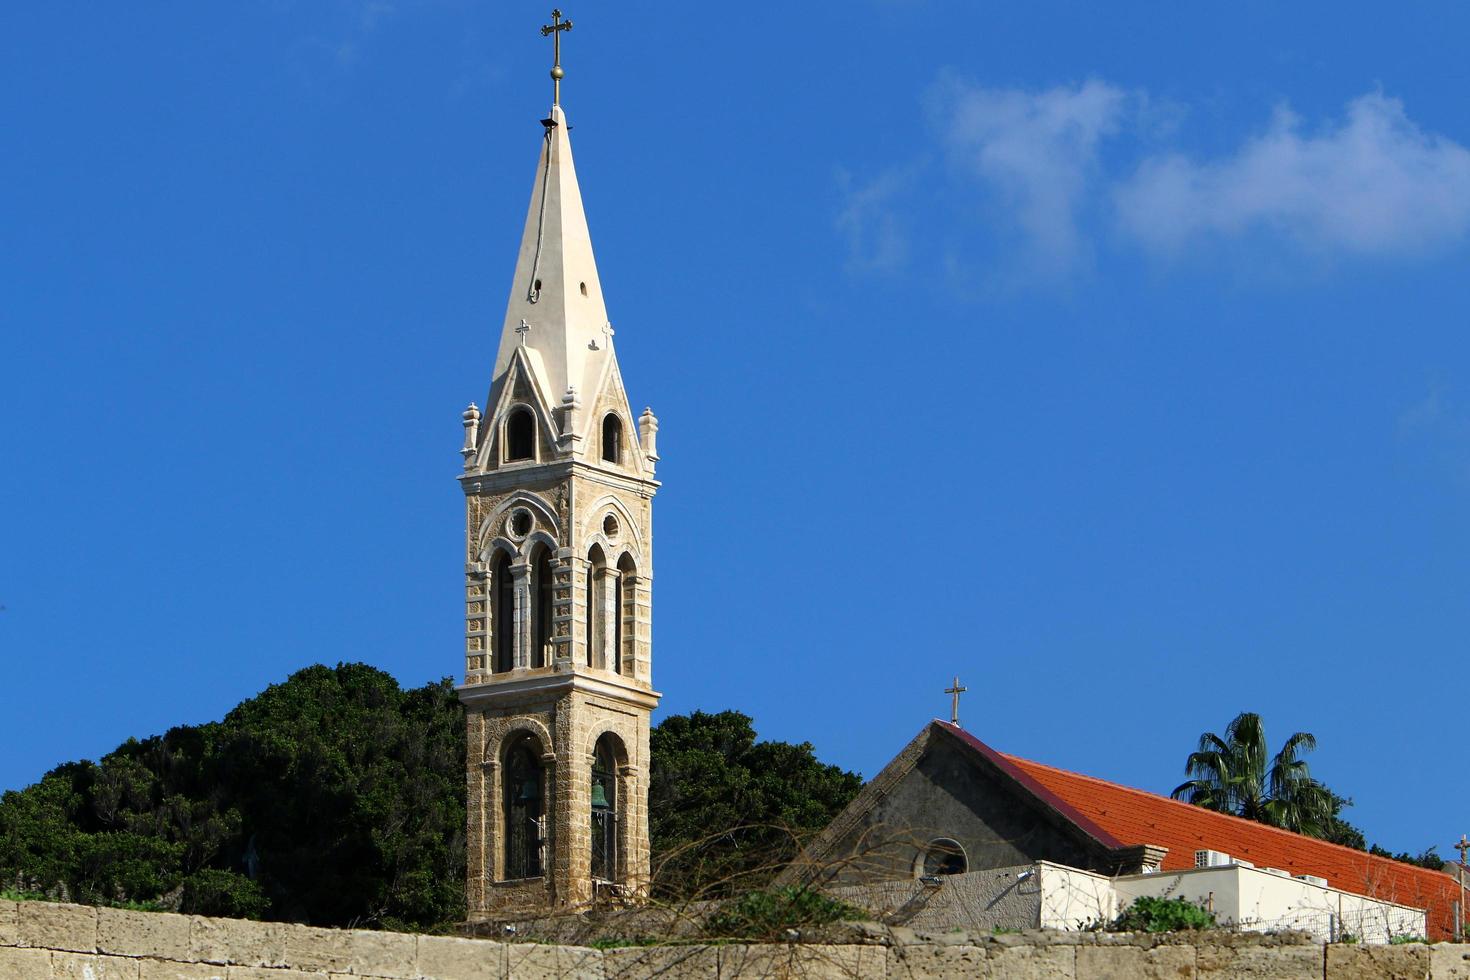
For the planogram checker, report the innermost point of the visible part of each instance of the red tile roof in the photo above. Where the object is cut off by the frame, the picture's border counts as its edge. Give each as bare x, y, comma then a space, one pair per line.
1135, 816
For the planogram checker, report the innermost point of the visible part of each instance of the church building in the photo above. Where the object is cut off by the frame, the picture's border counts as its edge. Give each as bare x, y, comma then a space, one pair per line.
558, 482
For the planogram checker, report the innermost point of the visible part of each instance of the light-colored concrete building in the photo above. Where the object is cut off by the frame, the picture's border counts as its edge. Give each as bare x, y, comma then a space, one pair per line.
558, 482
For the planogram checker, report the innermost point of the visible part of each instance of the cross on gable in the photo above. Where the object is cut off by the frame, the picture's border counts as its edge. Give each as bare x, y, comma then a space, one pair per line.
954, 705
523, 329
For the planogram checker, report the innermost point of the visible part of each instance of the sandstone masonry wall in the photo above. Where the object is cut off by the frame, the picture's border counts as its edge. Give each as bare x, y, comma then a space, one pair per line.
47, 941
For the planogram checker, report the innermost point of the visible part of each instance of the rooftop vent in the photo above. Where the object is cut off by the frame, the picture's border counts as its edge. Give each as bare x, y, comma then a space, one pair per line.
1313, 880
1211, 859
1277, 872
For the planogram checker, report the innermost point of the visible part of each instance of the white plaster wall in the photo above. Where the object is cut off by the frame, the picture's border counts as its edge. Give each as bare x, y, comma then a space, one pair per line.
1256, 900
1073, 899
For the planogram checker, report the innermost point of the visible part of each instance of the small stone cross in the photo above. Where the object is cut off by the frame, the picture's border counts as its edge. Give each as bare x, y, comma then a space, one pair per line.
523, 329
954, 702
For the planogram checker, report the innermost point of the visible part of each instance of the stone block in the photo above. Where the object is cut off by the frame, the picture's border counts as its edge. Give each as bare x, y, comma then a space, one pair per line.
157, 934
1449, 961
393, 955
937, 962
24, 964
318, 950
9, 924
166, 970
238, 942
1258, 962
531, 961
1353, 962
50, 925
796, 960
81, 966
683, 962
1034, 962
446, 958
1130, 962
262, 973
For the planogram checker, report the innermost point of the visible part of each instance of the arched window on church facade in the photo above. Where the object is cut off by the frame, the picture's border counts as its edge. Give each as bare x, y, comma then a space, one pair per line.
520, 435
542, 588
612, 438
502, 613
605, 810
524, 810
596, 604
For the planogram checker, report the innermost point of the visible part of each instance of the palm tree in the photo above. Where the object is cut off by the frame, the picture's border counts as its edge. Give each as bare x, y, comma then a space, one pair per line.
1233, 775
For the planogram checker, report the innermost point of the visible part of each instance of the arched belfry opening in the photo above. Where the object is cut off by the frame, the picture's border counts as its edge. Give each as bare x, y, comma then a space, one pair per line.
606, 809
524, 814
502, 613
625, 616
520, 435
594, 625
612, 438
541, 591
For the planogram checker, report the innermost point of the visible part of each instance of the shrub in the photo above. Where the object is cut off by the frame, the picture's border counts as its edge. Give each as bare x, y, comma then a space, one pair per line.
1150, 914
767, 915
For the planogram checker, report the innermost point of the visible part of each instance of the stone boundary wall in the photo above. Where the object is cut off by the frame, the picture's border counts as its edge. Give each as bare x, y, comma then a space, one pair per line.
48, 941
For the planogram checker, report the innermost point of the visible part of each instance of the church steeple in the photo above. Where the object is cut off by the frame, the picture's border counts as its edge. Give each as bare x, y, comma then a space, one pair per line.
556, 309
559, 484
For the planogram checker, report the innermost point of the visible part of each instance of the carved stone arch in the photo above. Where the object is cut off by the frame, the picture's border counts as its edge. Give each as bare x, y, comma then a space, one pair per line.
619, 744
631, 557
498, 543
536, 537
514, 730
592, 526
544, 513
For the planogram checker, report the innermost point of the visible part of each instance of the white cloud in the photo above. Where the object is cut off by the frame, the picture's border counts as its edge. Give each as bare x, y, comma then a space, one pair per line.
1374, 184
874, 225
1036, 153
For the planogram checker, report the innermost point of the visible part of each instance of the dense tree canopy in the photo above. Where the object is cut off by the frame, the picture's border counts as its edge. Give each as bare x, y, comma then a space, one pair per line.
334, 798
727, 811
337, 798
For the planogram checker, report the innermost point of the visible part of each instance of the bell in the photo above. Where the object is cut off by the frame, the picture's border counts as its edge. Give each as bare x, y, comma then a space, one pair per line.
599, 796
529, 791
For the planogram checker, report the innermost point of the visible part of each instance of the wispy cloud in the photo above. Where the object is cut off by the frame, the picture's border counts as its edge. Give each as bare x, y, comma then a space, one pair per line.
1036, 152
1043, 178
1437, 421
873, 222
1375, 183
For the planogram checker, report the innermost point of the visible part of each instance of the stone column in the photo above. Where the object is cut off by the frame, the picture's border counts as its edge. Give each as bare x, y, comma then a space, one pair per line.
478, 776
608, 587
524, 611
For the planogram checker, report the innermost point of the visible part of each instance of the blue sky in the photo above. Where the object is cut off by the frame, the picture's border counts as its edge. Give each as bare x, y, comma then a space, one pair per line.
1112, 359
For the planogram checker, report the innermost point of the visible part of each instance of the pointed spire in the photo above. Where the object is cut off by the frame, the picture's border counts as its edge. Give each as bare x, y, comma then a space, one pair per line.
556, 308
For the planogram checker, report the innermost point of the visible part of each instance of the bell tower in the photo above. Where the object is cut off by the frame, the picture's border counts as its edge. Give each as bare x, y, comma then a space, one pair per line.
559, 483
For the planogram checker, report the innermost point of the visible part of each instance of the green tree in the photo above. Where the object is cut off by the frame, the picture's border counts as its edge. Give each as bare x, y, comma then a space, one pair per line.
728, 811
1236, 774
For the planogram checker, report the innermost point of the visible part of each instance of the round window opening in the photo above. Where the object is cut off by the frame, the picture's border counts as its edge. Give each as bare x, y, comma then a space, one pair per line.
519, 523
944, 857
610, 527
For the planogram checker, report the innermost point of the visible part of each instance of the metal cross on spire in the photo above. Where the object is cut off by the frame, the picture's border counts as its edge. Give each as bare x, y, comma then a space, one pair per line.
554, 29
954, 702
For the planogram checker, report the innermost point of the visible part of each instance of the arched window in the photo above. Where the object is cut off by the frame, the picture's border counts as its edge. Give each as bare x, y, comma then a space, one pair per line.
502, 613
612, 438
520, 435
541, 593
596, 603
604, 811
525, 823
626, 610
944, 857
